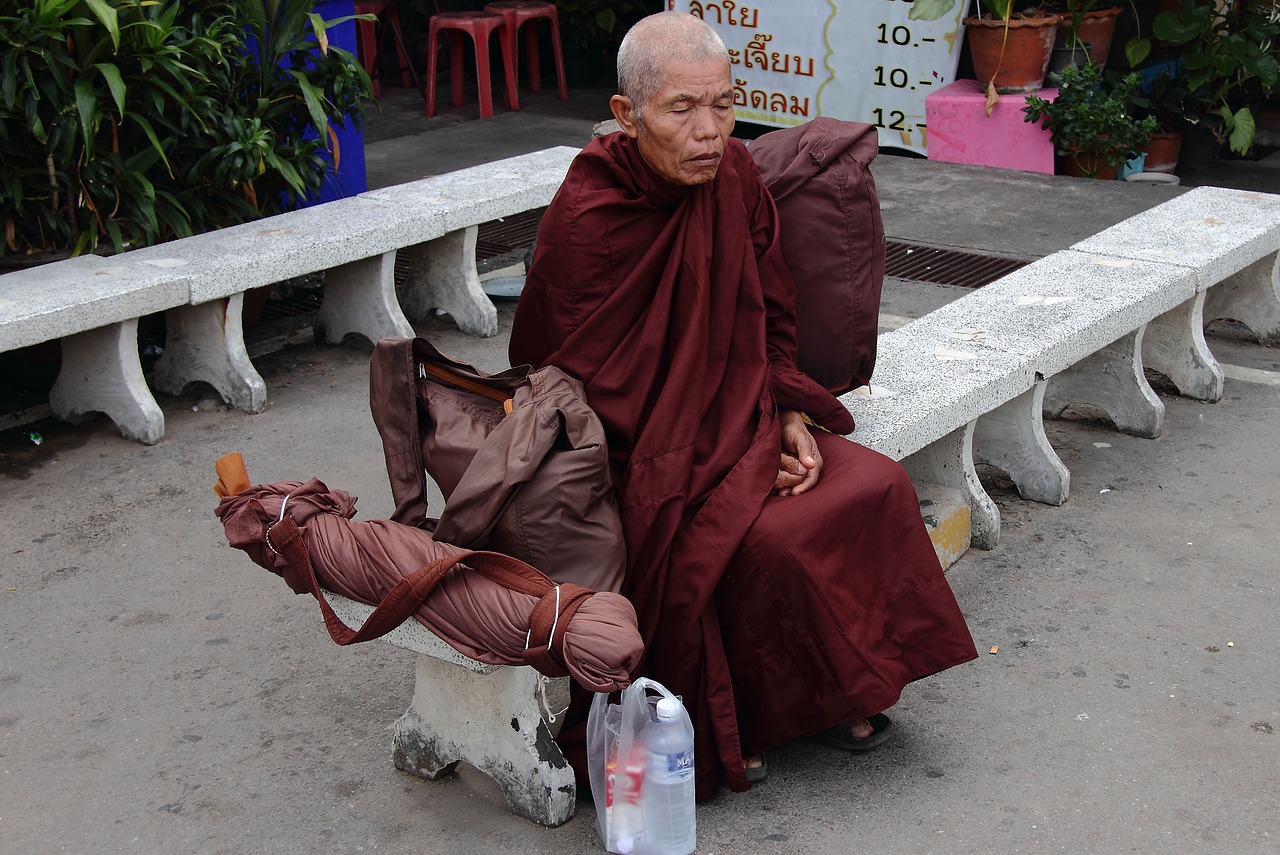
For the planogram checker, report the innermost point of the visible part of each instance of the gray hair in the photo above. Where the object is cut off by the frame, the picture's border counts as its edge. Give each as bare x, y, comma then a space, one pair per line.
654, 42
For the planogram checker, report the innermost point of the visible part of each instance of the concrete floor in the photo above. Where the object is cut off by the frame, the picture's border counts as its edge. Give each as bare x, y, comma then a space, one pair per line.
161, 694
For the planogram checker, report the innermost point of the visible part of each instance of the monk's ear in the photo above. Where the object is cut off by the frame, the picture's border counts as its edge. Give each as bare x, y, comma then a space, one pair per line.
625, 113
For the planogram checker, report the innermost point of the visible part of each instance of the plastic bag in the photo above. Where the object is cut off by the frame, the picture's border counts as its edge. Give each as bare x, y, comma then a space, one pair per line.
616, 760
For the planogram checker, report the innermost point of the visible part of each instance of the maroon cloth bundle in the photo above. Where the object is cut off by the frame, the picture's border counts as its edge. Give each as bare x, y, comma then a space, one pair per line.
591, 636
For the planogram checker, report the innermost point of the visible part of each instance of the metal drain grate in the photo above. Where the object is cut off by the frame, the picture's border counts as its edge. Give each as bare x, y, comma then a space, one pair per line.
302, 303
902, 260
500, 237
944, 266
494, 239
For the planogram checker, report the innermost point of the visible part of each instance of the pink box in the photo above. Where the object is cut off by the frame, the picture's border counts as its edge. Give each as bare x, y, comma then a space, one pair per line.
960, 131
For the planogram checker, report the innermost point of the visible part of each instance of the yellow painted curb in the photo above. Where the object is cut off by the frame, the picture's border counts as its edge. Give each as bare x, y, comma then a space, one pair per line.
947, 518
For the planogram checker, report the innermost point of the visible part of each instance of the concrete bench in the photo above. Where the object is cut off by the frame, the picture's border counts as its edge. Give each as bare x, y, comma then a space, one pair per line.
200, 281
499, 719
969, 382
355, 242
92, 304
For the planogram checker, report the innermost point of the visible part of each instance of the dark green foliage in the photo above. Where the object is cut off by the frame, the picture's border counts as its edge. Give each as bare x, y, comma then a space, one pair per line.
597, 26
1229, 54
1162, 98
1091, 116
129, 122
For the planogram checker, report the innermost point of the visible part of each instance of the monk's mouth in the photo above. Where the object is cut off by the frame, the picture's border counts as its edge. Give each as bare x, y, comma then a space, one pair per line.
706, 159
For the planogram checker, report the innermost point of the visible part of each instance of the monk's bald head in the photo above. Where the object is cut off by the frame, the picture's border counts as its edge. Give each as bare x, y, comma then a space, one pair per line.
653, 43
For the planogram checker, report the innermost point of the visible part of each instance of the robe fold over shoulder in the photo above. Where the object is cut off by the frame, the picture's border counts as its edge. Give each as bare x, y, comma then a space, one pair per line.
674, 308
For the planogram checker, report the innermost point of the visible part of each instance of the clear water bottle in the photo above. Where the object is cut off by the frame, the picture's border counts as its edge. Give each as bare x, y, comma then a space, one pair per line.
667, 797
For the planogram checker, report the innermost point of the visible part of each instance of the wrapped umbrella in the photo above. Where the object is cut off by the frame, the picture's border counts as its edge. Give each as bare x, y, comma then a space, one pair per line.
488, 606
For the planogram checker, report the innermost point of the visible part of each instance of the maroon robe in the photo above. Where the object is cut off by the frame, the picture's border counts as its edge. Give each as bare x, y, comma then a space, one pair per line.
773, 617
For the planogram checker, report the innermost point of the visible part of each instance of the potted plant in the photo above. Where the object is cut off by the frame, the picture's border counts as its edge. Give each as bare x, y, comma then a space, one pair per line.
1092, 28
1089, 121
1010, 48
1229, 54
1161, 96
126, 123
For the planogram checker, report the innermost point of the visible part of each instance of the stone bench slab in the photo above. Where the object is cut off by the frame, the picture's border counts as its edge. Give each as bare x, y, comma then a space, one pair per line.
1215, 231
236, 259
1058, 310
479, 194
924, 389
79, 294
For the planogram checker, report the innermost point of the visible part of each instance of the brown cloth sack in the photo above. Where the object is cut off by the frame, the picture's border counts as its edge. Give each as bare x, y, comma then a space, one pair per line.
490, 607
519, 456
832, 241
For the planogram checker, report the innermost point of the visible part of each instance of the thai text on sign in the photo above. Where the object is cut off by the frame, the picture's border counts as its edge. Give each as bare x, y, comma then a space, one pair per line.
870, 61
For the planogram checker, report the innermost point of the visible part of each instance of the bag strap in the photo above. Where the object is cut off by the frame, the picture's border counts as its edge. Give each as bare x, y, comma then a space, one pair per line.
548, 622
544, 646
467, 384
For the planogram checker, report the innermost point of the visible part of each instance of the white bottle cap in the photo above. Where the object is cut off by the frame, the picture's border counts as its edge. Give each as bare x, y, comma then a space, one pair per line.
668, 708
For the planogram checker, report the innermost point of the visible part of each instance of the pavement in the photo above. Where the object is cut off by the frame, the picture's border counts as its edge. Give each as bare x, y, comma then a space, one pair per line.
161, 694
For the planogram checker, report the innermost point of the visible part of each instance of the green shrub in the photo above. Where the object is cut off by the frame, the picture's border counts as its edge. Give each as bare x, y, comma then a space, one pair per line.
1091, 116
129, 122
1231, 57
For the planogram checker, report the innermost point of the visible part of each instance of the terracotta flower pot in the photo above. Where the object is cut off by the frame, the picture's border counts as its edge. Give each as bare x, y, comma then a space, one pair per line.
1097, 29
1015, 59
1089, 164
1162, 151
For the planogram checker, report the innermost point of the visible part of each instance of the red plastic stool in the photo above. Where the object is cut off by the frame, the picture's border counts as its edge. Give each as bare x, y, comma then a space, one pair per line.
368, 47
480, 26
517, 13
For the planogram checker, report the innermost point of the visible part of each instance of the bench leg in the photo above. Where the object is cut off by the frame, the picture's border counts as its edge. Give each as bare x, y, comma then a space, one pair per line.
443, 276
1112, 379
1174, 345
491, 721
101, 373
949, 462
1252, 297
206, 342
1012, 438
360, 297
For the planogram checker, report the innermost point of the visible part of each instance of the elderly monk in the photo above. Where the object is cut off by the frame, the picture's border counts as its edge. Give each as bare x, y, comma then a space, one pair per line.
783, 577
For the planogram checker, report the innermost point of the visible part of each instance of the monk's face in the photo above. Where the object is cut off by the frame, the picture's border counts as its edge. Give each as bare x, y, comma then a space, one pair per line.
681, 132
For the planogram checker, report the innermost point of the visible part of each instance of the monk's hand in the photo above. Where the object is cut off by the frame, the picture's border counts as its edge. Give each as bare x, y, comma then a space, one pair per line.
801, 463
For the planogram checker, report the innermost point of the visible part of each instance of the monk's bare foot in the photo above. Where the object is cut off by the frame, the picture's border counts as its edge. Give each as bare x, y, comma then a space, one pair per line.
757, 769
860, 734
860, 728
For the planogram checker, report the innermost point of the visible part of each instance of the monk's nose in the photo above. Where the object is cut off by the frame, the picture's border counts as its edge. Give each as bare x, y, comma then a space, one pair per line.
706, 127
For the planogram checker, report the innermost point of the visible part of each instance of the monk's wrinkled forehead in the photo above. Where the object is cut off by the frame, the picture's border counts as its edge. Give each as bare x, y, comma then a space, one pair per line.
688, 85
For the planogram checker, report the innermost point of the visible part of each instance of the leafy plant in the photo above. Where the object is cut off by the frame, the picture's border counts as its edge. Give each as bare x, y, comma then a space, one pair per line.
129, 122
1090, 118
1230, 60
930, 10
997, 10
1161, 96
1136, 49
597, 26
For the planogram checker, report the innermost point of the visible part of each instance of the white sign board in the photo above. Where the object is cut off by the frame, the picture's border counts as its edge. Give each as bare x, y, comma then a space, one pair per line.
860, 60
